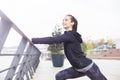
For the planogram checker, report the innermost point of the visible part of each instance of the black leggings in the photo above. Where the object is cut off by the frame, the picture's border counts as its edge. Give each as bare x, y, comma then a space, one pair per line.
69, 73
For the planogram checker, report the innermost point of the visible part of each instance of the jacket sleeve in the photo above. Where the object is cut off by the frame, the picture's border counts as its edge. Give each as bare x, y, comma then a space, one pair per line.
51, 40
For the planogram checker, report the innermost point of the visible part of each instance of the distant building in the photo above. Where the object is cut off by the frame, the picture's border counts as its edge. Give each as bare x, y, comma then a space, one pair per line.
117, 43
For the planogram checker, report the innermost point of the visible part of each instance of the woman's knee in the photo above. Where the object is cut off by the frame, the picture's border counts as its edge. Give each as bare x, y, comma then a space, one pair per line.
58, 76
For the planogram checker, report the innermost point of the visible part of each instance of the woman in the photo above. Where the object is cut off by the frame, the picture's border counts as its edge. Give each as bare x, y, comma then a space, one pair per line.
81, 65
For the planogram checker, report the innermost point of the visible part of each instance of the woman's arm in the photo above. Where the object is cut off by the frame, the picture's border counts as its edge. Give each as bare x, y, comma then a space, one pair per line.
51, 40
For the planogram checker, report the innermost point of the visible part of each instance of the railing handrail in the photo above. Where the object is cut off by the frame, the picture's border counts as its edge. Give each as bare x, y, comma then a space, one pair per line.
15, 27
30, 59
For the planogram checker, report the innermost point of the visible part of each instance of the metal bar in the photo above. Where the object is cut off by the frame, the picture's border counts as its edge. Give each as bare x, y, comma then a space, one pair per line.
23, 66
12, 25
36, 61
4, 30
16, 59
14, 66
5, 26
5, 69
27, 76
31, 58
18, 54
29, 64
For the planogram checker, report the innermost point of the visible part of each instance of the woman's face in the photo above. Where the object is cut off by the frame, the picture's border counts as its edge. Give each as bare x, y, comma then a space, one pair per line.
67, 24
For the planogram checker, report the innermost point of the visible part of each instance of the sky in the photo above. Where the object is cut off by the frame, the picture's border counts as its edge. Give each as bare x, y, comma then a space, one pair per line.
37, 18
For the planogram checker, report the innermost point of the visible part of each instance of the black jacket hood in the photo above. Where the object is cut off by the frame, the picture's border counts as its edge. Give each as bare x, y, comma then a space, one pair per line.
77, 36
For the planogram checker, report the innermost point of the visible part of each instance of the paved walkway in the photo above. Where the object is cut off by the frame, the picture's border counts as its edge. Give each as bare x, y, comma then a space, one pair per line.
110, 68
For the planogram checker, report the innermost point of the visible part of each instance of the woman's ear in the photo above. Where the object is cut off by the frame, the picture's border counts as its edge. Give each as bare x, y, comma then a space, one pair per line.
72, 23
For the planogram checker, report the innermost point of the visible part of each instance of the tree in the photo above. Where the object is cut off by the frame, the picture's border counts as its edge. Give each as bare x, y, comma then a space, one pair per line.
84, 47
102, 41
110, 41
57, 55
56, 48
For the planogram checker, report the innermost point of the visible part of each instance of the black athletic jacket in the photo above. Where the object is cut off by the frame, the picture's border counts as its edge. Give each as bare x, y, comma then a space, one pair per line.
72, 48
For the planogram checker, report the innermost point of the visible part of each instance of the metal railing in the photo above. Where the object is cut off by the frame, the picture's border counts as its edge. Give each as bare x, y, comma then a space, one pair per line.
24, 64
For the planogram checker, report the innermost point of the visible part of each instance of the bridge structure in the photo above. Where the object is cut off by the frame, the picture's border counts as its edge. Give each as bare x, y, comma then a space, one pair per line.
26, 57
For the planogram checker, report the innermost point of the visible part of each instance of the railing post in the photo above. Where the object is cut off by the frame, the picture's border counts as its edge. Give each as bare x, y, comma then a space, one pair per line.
33, 60
4, 30
29, 60
16, 59
23, 69
36, 61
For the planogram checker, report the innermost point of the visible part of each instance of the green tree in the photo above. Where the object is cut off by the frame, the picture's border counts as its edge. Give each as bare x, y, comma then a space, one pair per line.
56, 48
84, 47
110, 42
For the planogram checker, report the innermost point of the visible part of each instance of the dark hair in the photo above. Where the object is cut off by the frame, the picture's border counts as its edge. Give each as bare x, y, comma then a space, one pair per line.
73, 19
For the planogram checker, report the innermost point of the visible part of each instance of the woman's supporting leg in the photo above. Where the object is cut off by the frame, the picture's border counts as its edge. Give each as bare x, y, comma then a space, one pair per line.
95, 74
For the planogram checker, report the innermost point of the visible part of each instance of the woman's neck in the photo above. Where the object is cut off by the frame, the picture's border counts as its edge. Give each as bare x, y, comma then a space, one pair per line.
68, 29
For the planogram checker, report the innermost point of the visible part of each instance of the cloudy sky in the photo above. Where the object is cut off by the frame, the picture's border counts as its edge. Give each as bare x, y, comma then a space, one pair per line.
37, 18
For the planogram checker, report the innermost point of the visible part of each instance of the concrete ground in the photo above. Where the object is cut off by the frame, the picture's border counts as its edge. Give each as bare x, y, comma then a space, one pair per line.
45, 70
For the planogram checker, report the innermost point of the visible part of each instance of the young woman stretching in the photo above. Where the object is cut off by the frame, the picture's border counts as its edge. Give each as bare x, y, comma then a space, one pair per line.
81, 65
